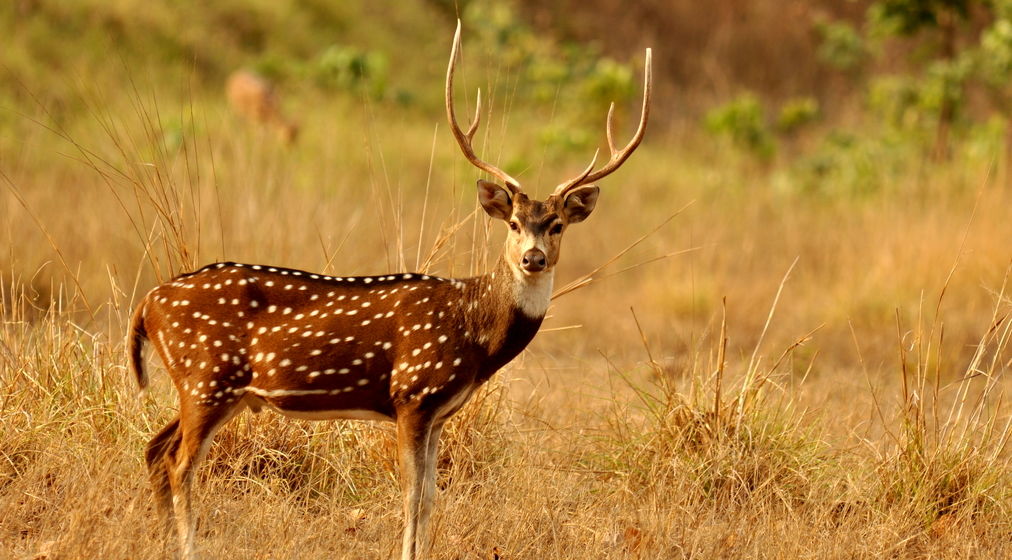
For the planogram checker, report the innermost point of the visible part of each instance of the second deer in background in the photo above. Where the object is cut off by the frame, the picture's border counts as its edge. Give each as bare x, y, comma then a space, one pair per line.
255, 98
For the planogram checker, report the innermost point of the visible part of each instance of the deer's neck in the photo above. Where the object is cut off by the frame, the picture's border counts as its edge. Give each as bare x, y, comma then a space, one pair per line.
506, 310
516, 292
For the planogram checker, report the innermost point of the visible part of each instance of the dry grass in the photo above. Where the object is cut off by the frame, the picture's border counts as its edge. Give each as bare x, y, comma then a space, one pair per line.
853, 408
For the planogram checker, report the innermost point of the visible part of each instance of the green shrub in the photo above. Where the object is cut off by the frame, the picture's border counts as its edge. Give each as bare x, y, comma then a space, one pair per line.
841, 46
797, 113
353, 69
743, 122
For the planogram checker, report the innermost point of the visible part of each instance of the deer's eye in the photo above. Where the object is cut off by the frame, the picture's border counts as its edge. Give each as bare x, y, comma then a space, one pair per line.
556, 229
514, 226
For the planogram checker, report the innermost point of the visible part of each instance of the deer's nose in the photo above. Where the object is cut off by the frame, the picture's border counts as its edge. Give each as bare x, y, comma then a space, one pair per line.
534, 261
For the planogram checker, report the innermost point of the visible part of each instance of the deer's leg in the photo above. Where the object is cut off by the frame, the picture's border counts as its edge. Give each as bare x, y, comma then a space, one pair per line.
163, 445
413, 436
423, 538
198, 424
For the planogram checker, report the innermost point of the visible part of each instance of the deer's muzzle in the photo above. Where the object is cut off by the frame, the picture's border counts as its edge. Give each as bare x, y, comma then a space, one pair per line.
534, 260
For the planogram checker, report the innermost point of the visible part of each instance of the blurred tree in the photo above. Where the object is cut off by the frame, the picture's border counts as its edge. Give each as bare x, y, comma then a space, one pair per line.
906, 17
942, 84
993, 65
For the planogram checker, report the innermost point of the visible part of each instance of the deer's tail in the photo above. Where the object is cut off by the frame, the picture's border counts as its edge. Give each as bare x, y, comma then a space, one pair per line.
136, 336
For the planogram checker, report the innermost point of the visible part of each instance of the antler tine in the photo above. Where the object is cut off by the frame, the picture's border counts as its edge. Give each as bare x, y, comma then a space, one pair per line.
618, 157
476, 120
464, 138
608, 130
576, 180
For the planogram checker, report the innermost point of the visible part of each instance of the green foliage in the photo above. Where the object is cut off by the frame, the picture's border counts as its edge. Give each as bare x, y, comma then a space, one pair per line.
943, 84
797, 113
841, 46
924, 102
501, 28
274, 67
906, 17
917, 103
994, 62
564, 137
351, 68
847, 165
993, 57
893, 100
983, 142
939, 84
343, 48
574, 81
608, 81
742, 120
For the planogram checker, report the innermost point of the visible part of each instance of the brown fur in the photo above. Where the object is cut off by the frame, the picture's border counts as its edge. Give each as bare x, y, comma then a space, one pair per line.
407, 347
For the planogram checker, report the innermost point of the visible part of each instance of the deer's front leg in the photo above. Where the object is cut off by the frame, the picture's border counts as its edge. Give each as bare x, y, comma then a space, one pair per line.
423, 538
416, 435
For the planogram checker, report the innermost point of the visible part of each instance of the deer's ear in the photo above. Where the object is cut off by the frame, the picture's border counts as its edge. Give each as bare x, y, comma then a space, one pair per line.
580, 203
495, 199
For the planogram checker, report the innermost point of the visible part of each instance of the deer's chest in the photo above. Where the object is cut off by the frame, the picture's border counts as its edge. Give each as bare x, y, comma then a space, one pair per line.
516, 335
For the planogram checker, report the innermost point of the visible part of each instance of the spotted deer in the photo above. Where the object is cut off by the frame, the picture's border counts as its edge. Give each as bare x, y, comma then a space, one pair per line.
255, 98
408, 348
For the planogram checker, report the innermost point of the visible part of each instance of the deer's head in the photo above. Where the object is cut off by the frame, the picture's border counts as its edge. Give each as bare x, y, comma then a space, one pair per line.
536, 227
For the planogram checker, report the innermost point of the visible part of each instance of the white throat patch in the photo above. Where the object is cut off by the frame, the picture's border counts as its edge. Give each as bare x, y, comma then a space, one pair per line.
532, 294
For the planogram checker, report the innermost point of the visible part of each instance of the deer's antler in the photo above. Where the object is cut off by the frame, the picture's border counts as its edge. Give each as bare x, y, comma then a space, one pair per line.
465, 138
618, 157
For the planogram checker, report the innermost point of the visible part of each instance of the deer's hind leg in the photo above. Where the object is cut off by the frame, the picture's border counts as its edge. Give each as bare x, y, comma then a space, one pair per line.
181, 450
164, 444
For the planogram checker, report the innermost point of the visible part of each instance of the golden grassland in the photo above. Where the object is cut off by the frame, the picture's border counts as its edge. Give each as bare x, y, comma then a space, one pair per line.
767, 373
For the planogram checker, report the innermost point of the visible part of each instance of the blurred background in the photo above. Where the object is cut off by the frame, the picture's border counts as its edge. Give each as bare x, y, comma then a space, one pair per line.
855, 136
818, 215
769, 74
